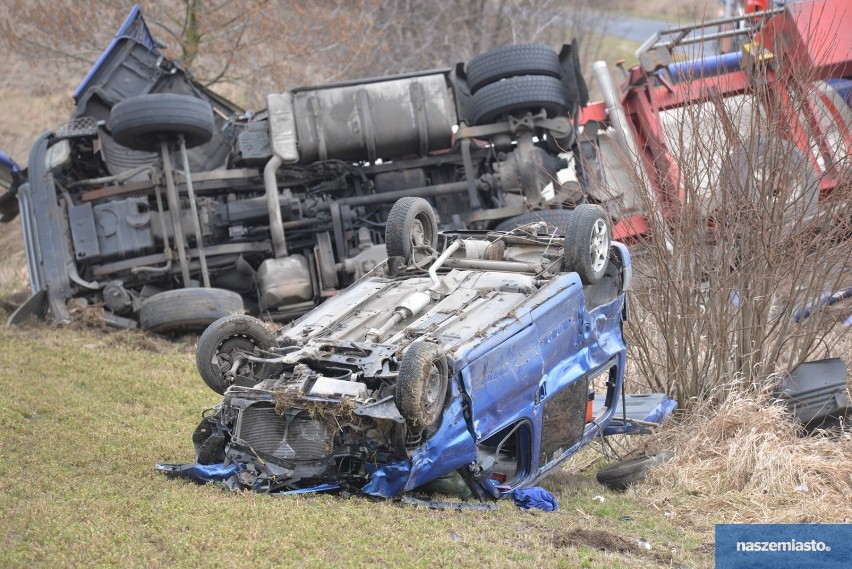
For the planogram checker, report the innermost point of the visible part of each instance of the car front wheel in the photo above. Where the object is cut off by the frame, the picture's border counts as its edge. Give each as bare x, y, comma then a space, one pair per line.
421, 387
227, 340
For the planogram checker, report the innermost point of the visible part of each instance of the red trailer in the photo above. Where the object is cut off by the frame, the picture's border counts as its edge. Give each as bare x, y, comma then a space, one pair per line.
793, 77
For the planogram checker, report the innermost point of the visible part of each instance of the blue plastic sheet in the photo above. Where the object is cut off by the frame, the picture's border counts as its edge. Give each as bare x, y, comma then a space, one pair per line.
201, 473
535, 497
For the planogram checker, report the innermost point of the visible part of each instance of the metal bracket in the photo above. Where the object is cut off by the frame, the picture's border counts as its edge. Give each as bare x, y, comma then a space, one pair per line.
559, 127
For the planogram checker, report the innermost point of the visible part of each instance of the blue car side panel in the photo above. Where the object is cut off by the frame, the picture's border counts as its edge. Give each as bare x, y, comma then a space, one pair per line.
503, 383
452, 447
564, 343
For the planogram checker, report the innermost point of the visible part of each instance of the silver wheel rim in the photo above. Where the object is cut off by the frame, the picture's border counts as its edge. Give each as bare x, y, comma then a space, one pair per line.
433, 389
418, 233
599, 245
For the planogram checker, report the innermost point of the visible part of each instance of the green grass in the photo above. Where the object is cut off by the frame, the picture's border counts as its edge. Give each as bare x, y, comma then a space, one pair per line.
85, 415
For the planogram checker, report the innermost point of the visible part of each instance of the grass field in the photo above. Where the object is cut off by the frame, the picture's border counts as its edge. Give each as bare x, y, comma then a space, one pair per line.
88, 413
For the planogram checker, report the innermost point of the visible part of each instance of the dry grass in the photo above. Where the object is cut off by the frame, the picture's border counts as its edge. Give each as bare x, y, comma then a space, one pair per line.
13, 265
746, 462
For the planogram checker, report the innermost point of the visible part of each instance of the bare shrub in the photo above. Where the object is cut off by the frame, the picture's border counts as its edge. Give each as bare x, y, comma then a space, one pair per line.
256, 47
741, 242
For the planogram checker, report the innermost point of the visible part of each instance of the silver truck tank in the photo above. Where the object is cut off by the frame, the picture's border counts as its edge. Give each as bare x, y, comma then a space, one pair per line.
383, 119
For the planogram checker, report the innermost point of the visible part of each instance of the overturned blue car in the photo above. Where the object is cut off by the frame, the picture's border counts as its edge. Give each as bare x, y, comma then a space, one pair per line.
480, 360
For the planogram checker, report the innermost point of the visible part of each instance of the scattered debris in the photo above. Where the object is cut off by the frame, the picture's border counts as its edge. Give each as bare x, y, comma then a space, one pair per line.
446, 505
815, 393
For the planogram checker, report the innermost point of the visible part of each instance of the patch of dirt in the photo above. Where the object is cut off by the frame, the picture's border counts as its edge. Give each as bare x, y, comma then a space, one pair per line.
605, 541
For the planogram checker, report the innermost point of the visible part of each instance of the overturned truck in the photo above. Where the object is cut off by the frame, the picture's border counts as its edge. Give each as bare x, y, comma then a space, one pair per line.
170, 206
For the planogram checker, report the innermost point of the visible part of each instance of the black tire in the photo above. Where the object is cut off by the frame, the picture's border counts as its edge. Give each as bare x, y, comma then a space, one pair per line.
587, 243
187, 309
421, 387
523, 93
558, 218
510, 61
411, 222
142, 122
224, 339
621, 474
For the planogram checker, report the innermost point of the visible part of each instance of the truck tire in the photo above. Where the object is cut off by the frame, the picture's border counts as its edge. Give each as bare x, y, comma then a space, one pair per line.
187, 309
621, 474
587, 241
559, 218
142, 122
510, 61
411, 222
522, 93
225, 338
421, 387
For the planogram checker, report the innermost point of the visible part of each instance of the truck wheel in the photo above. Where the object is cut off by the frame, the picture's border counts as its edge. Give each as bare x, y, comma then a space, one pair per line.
621, 474
227, 338
411, 222
421, 387
141, 122
522, 93
510, 61
558, 218
187, 309
587, 242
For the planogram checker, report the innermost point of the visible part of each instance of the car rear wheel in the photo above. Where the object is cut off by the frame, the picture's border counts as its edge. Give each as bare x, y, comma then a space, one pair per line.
226, 339
142, 122
411, 223
510, 61
421, 387
188, 309
519, 94
587, 243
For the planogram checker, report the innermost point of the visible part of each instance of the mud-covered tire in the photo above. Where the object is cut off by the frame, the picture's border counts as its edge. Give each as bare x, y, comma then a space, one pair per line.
522, 93
587, 243
187, 309
558, 218
411, 222
511, 61
225, 338
421, 387
141, 122
621, 474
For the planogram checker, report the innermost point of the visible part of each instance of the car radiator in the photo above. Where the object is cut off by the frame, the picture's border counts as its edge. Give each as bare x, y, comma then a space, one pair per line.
294, 435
